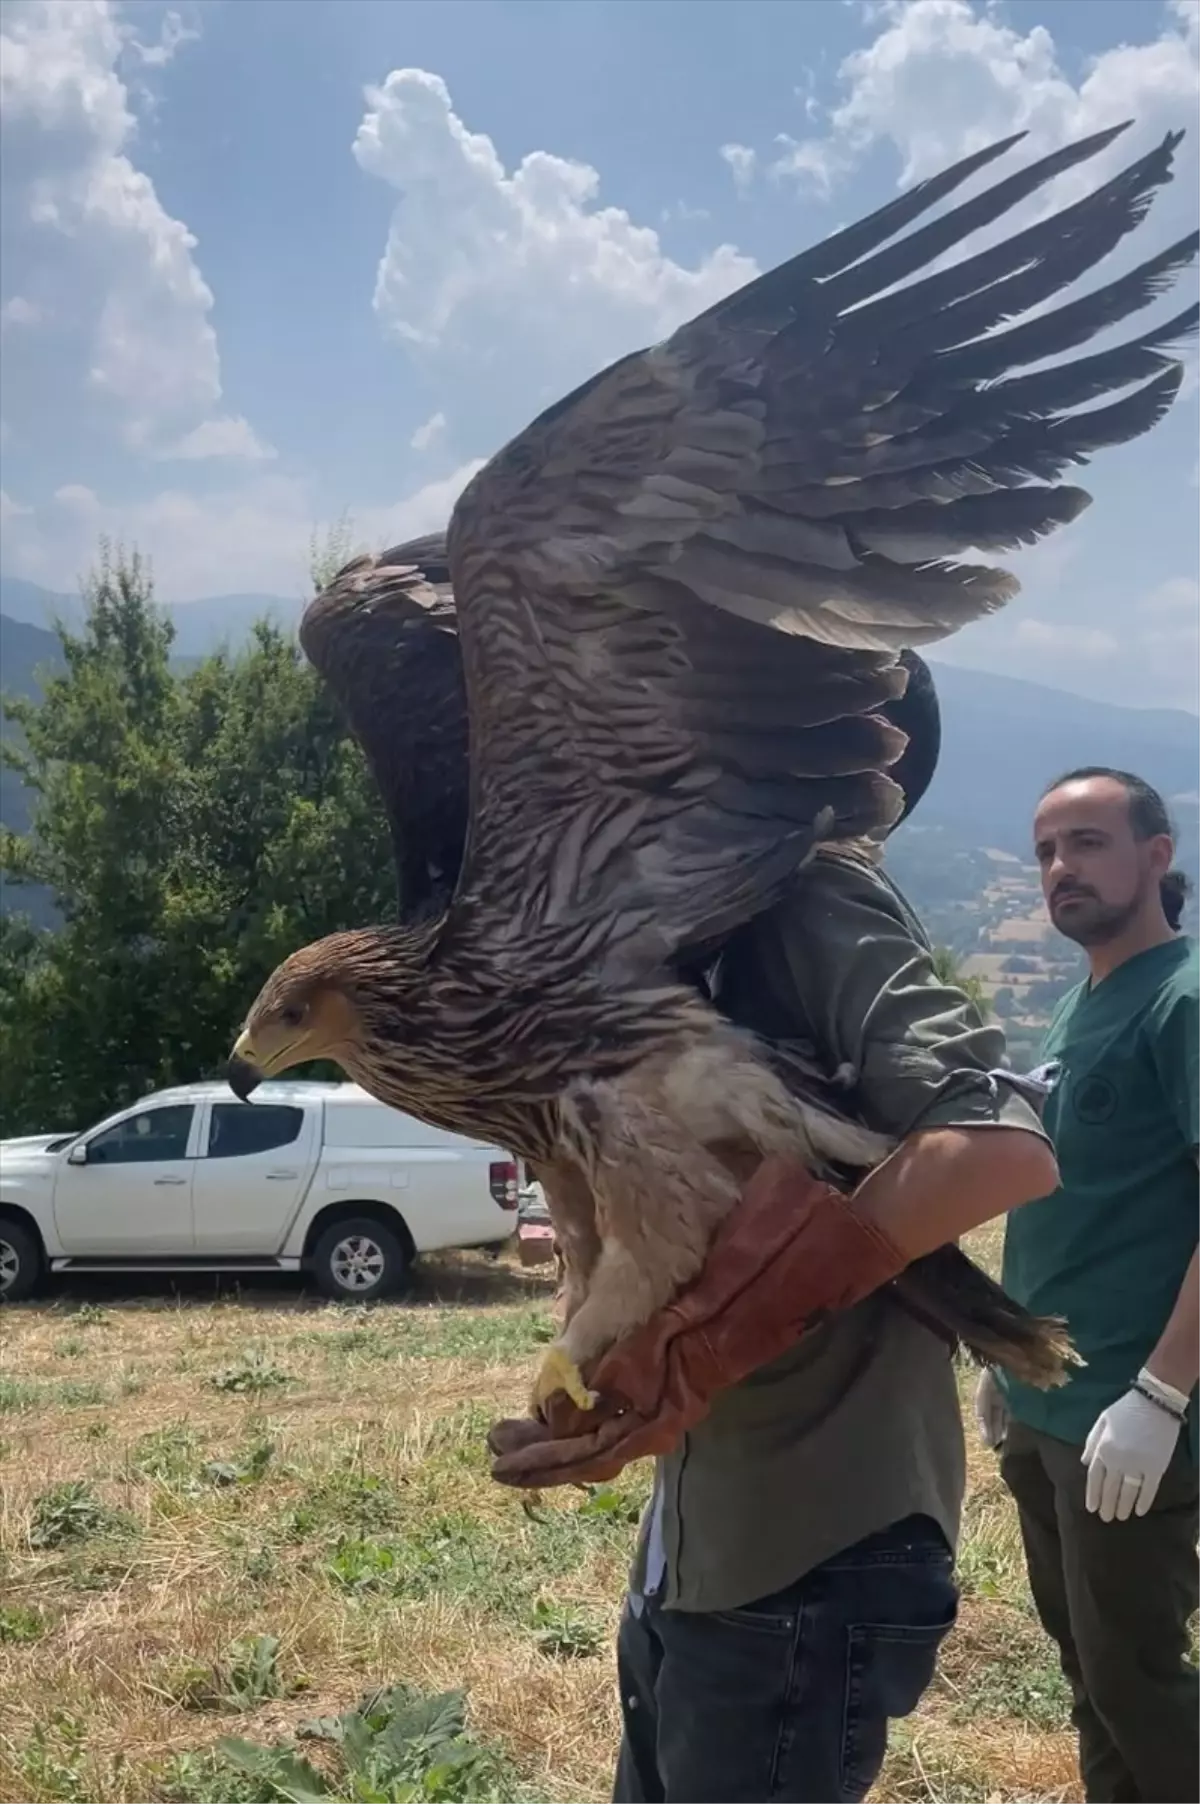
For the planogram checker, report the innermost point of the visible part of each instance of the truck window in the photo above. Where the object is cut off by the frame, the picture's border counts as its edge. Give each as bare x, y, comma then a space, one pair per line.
237, 1129
147, 1138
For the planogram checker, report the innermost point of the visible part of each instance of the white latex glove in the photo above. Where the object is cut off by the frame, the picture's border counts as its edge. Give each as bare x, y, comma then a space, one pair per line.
991, 1409
1127, 1452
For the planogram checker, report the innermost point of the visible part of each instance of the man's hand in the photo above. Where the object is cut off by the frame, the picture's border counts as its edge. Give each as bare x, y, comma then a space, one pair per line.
991, 1410
1127, 1452
792, 1252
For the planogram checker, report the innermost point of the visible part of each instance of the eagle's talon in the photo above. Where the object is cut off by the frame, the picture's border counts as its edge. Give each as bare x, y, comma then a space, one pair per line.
558, 1372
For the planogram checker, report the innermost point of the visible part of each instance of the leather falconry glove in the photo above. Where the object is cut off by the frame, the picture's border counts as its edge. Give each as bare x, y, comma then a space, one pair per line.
791, 1253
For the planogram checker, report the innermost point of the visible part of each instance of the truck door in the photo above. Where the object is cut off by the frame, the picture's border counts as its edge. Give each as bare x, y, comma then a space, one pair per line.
256, 1160
127, 1194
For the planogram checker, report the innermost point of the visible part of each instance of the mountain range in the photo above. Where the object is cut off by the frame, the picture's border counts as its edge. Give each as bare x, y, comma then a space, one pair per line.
200, 626
1003, 739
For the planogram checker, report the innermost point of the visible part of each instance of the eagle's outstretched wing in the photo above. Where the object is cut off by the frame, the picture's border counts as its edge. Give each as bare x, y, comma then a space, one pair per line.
682, 590
383, 635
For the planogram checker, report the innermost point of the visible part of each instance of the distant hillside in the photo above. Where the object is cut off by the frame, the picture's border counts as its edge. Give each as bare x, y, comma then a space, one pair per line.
24, 650
200, 626
26, 602
1003, 740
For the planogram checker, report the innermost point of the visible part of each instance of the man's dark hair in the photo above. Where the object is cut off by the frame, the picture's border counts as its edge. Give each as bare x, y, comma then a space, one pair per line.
1148, 818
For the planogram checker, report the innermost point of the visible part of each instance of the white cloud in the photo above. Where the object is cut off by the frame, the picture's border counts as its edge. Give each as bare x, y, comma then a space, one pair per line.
1170, 657
428, 431
172, 36
1080, 641
120, 254
10, 509
17, 311
521, 271
228, 435
944, 77
742, 161
251, 538
1152, 657
684, 213
813, 162
77, 495
1177, 596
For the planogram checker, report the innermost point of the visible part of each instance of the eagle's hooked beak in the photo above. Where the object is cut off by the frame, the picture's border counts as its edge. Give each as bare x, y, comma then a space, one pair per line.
273, 1046
243, 1074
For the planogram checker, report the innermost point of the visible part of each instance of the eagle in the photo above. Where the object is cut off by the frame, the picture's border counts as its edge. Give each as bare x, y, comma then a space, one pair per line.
657, 663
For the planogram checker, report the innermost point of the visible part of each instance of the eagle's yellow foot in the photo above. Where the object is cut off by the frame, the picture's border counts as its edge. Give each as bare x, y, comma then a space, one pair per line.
558, 1372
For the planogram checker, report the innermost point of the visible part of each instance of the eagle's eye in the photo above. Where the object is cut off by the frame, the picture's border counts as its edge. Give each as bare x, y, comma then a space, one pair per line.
292, 1015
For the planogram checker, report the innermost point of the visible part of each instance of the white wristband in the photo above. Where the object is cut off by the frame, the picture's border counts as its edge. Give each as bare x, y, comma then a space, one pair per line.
1166, 1393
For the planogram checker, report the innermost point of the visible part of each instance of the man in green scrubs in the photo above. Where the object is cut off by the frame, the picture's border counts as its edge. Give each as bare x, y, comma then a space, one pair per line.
1104, 1470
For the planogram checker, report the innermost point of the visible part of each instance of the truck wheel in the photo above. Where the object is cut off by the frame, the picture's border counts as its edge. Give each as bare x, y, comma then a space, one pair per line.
359, 1260
20, 1261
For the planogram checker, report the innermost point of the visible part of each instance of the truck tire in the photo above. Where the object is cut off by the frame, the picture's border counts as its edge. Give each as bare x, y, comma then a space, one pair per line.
21, 1261
358, 1260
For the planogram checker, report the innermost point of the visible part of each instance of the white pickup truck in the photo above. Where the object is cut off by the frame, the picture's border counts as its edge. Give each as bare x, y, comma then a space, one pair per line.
307, 1177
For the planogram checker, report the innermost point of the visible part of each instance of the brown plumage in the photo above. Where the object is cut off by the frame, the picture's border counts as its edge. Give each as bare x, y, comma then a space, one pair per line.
681, 597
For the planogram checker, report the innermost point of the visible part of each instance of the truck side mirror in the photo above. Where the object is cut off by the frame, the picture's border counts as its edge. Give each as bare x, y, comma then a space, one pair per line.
78, 1154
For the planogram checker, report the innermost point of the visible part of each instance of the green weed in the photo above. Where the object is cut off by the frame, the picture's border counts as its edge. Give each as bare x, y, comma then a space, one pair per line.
1018, 1676
252, 1374
77, 1393
563, 1633
205, 1778
17, 1395
247, 1676
54, 1760
494, 1336
168, 1455
245, 1468
398, 1747
20, 1625
345, 1499
71, 1511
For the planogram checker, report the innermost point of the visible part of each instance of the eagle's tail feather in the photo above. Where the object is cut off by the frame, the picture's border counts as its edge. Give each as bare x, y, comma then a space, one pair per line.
950, 1294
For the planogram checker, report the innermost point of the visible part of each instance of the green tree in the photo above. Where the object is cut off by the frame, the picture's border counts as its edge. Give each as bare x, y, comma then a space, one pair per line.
193, 829
100, 759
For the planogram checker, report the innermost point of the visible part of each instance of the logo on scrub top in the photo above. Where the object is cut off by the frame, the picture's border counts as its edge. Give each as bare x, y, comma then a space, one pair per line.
1094, 1100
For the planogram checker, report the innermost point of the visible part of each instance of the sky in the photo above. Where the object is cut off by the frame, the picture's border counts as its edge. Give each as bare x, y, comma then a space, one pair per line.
266, 265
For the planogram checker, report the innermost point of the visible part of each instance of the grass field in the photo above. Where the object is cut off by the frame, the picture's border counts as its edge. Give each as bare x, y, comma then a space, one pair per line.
226, 1514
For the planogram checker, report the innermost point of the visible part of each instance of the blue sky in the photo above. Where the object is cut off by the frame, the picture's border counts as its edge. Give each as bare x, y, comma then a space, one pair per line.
264, 264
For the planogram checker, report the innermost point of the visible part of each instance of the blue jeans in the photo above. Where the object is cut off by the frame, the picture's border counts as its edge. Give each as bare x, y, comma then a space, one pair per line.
790, 1697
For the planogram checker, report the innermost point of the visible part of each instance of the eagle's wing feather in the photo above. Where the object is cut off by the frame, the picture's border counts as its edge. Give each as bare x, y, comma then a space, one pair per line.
383, 635
683, 589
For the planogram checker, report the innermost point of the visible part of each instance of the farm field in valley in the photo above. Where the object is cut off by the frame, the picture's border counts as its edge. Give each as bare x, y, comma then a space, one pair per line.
234, 1514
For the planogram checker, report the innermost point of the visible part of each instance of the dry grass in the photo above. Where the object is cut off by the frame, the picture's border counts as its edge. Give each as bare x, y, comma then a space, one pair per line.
269, 1465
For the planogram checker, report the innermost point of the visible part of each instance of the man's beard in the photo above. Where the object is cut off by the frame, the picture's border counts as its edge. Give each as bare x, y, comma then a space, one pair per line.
1092, 922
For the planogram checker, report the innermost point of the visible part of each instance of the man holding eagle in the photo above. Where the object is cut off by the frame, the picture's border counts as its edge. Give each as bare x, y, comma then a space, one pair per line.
642, 724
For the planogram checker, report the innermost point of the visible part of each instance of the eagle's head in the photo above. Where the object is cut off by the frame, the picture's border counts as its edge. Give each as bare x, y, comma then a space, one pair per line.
334, 999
